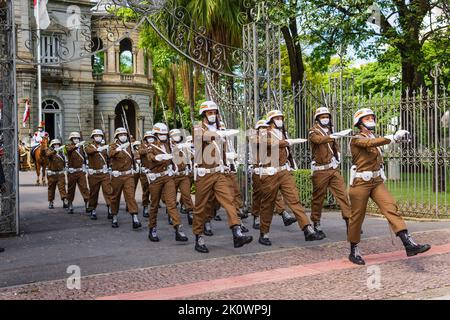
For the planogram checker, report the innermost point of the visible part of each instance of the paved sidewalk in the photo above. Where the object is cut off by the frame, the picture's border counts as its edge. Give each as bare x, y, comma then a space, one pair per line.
122, 261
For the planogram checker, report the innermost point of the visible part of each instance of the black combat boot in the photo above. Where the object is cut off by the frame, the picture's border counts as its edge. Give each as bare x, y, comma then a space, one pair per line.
109, 213
264, 239
238, 238
355, 255
65, 203
287, 218
200, 245
145, 212
136, 223
190, 217
244, 228
411, 247
93, 215
50, 205
152, 235
243, 214
318, 229
179, 234
255, 222
70, 208
310, 234
115, 222
207, 230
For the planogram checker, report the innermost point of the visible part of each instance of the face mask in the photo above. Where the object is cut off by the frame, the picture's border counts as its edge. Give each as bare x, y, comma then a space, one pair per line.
98, 139
279, 123
370, 125
177, 138
40, 129
150, 140
123, 139
324, 122
56, 146
76, 140
162, 138
212, 118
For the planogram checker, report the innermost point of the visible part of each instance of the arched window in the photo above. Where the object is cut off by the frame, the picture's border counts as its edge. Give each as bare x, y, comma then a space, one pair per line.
126, 56
50, 105
51, 114
98, 59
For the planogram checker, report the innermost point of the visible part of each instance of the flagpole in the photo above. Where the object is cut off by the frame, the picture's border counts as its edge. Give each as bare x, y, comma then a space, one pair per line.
39, 80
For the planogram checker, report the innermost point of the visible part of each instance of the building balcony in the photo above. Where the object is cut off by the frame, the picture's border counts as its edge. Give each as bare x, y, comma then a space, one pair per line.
121, 78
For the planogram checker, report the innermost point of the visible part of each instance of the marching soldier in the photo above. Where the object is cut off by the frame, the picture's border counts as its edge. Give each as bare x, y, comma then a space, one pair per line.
275, 175
210, 177
76, 171
325, 167
122, 177
256, 183
55, 172
98, 174
183, 159
148, 139
161, 182
367, 180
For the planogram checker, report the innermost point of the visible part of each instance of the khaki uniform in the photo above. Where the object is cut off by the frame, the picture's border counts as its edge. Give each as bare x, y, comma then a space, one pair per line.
183, 178
76, 161
324, 148
98, 161
367, 156
211, 185
281, 181
145, 164
162, 185
122, 161
56, 163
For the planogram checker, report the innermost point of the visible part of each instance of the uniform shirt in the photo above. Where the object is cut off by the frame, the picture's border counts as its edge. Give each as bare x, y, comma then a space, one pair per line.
56, 161
181, 157
96, 159
366, 151
156, 166
143, 151
323, 147
212, 151
75, 156
275, 139
121, 160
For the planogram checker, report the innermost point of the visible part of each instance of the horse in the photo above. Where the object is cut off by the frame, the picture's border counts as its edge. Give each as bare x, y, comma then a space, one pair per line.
40, 161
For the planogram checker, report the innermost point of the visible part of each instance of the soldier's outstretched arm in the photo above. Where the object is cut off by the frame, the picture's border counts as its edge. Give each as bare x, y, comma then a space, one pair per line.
317, 138
364, 142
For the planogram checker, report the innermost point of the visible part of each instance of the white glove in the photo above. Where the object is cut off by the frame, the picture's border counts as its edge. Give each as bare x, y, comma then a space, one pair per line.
295, 141
231, 155
81, 143
100, 149
123, 146
390, 137
341, 134
161, 157
398, 136
227, 133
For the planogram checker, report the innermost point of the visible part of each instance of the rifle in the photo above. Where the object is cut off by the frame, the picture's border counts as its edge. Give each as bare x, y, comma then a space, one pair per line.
103, 124
125, 123
86, 161
164, 112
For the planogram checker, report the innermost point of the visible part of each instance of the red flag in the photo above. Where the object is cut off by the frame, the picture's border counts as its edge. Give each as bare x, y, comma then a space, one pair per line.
26, 114
41, 14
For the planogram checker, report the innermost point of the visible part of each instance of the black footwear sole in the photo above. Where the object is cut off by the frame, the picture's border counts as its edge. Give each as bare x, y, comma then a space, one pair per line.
153, 239
313, 239
201, 250
422, 250
265, 243
217, 218
181, 239
241, 244
93, 217
360, 262
244, 229
70, 212
137, 226
289, 222
208, 234
115, 225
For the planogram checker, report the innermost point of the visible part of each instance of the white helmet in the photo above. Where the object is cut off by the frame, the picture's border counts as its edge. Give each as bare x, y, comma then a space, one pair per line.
361, 113
189, 139
174, 132
74, 135
149, 133
137, 143
97, 132
261, 123
55, 141
320, 111
274, 113
160, 128
206, 106
120, 131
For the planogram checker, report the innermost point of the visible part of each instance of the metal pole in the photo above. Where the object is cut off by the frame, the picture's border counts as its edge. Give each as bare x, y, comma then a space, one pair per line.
436, 139
255, 74
38, 57
15, 111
